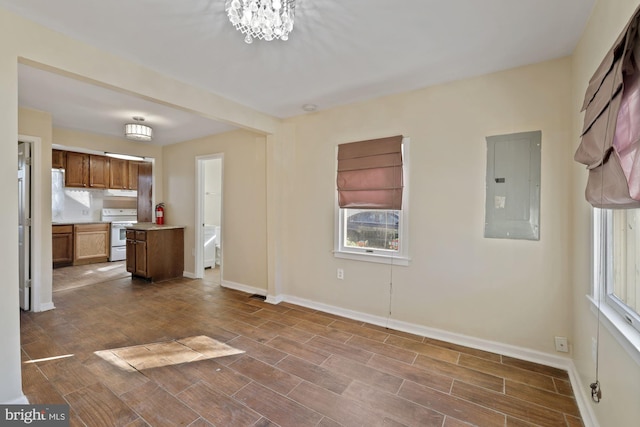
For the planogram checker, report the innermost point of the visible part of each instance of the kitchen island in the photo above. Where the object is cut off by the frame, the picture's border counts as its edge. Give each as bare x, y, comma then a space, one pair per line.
155, 252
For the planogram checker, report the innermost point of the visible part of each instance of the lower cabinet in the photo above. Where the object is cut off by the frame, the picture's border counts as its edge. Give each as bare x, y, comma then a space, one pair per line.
90, 243
156, 254
62, 245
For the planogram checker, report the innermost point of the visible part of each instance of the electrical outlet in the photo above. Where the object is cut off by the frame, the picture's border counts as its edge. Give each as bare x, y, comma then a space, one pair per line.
562, 344
340, 273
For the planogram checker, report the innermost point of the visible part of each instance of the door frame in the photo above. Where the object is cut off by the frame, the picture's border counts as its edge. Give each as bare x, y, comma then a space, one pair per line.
199, 232
38, 212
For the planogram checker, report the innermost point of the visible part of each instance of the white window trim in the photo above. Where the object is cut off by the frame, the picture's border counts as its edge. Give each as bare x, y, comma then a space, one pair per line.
402, 257
626, 335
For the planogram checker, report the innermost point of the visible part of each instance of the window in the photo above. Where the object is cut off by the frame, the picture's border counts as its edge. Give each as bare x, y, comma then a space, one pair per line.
616, 266
618, 262
375, 235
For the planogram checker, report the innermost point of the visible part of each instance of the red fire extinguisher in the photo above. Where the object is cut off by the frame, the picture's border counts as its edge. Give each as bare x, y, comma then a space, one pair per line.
160, 213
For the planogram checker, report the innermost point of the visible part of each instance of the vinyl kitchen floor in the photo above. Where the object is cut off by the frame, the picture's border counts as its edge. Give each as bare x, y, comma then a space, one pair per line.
127, 352
72, 277
65, 278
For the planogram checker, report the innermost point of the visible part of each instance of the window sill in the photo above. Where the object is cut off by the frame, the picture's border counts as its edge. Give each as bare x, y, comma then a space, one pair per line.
377, 258
626, 335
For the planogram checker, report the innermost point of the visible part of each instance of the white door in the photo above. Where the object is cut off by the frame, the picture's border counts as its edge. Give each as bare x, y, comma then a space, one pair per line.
24, 223
209, 177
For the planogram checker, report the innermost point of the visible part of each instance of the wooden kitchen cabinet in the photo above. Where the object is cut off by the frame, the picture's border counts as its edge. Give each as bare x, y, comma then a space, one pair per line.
77, 170
86, 170
118, 174
137, 253
132, 175
62, 245
98, 171
58, 158
155, 253
90, 243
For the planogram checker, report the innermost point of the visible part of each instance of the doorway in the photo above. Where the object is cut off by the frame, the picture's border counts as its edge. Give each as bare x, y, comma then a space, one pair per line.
24, 224
209, 175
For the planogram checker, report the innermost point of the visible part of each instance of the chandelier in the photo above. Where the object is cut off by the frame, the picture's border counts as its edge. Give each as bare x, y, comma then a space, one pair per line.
262, 19
137, 130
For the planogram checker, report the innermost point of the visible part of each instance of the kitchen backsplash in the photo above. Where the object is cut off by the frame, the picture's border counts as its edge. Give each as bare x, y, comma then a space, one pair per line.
79, 205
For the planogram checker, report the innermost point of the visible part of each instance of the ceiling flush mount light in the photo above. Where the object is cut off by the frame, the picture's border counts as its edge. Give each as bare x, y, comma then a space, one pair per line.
262, 19
309, 107
138, 131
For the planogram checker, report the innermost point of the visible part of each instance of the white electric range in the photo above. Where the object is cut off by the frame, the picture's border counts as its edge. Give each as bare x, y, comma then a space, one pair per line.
119, 219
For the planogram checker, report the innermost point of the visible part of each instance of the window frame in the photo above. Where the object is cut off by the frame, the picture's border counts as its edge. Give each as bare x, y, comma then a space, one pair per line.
623, 324
401, 257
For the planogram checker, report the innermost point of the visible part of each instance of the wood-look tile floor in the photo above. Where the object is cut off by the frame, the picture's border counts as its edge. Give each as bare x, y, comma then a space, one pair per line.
71, 277
190, 353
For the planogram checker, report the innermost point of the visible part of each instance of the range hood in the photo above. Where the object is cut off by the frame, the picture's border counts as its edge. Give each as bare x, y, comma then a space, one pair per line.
120, 193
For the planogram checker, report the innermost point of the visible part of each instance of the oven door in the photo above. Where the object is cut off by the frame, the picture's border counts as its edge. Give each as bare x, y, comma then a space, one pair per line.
118, 235
118, 253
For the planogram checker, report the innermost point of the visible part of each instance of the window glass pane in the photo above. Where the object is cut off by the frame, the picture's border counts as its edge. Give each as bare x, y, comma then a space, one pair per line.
371, 229
625, 244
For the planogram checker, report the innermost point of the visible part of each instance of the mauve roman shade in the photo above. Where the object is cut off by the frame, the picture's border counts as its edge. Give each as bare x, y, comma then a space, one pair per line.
370, 174
611, 129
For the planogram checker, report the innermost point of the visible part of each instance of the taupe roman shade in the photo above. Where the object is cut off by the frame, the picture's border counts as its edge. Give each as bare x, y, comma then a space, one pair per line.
370, 174
611, 129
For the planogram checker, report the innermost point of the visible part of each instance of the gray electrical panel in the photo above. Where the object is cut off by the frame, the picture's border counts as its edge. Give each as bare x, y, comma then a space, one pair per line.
513, 186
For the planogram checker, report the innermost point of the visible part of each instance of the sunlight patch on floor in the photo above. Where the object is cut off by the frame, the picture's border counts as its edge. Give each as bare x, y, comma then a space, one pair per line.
46, 359
110, 267
155, 355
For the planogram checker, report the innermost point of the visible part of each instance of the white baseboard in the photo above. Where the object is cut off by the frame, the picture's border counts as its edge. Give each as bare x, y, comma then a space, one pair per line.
22, 400
464, 340
243, 288
45, 307
189, 275
583, 397
277, 299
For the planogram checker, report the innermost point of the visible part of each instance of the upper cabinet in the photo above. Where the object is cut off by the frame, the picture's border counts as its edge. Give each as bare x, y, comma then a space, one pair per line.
118, 174
77, 170
98, 171
133, 175
86, 170
58, 159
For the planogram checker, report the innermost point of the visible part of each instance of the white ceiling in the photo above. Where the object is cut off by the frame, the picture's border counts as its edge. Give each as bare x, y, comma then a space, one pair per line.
340, 51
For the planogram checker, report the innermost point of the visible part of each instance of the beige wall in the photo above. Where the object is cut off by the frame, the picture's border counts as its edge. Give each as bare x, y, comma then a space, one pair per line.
511, 291
619, 374
28, 42
10, 386
244, 234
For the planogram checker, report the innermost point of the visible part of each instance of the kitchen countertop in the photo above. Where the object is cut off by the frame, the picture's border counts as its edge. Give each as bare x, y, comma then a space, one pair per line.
147, 226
